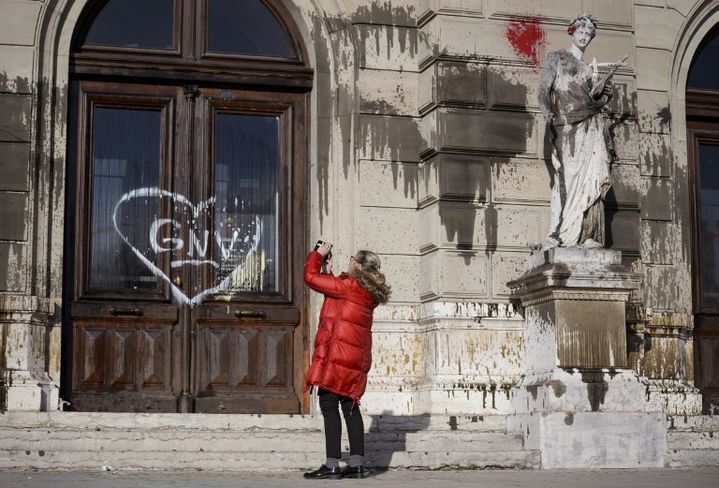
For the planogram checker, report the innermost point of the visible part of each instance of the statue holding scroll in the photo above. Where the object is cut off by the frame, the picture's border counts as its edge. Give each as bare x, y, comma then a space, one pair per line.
571, 97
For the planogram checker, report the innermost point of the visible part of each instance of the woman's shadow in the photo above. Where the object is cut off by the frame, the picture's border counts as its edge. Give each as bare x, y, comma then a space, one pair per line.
386, 440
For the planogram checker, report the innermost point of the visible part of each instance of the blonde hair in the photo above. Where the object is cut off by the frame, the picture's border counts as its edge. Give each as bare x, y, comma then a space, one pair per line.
369, 276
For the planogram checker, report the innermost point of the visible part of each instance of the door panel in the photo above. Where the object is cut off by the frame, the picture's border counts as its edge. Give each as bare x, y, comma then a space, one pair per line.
120, 315
249, 329
704, 154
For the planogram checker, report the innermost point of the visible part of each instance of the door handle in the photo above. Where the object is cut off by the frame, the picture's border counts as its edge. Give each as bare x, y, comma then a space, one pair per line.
177, 281
135, 311
250, 314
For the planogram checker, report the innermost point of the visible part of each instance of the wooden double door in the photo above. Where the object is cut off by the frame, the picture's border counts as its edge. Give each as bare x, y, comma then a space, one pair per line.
184, 249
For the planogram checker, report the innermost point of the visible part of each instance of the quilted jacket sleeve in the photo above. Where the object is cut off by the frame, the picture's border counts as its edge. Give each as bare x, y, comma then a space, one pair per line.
327, 284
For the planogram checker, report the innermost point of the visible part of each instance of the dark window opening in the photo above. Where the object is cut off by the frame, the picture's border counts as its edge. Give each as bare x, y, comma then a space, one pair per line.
134, 24
246, 27
704, 73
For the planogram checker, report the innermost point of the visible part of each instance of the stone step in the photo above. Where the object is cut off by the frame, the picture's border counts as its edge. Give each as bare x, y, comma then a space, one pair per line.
198, 441
692, 440
694, 423
70, 440
210, 422
684, 458
256, 461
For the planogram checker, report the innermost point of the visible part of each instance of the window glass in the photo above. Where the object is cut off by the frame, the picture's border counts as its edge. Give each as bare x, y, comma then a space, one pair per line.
709, 202
245, 27
126, 157
134, 23
246, 162
704, 73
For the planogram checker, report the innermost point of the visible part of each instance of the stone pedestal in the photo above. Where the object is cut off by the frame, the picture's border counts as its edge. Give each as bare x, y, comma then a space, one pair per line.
577, 402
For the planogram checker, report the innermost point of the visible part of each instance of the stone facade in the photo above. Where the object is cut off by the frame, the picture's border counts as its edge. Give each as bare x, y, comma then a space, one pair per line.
428, 147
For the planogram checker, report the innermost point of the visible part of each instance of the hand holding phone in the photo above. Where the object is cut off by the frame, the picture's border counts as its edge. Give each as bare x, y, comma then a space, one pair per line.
324, 248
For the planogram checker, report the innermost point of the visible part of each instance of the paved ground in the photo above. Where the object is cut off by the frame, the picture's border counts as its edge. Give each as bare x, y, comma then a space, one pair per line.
660, 478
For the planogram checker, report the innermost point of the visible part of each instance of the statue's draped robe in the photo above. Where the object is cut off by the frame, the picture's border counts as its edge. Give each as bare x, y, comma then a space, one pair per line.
580, 156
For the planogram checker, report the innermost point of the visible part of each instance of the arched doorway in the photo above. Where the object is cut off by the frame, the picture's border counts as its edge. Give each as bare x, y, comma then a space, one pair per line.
703, 151
186, 221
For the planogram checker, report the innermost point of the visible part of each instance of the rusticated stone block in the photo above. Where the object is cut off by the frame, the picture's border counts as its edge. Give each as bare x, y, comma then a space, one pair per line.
626, 186
13, 274
512, 87
455, 274
658, 199
556, 9
656, 157
653, 111
13, 212
388, 47
622, 229
384, 184
15, 118
453, 177
390, 138
653, 69
387, 92
18, 22
508, 133
657, 242
14, 166
656, 27
520, 181
376, 237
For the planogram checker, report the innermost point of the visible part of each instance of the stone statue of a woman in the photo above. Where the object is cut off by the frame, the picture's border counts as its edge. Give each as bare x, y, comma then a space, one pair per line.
571, 97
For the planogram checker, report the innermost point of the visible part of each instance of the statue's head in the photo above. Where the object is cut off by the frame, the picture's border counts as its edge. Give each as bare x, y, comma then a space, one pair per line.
582, 29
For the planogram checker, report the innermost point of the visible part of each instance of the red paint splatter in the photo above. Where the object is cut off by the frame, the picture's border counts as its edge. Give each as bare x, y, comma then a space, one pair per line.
527, 38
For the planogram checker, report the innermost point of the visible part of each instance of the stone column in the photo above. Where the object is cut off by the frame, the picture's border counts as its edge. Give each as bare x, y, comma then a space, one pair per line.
29, 378
578, 403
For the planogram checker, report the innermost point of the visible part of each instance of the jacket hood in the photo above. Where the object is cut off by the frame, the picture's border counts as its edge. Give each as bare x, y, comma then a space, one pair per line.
361, 295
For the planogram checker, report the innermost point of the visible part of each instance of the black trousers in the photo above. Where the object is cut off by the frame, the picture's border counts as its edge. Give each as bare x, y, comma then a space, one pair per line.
333, 425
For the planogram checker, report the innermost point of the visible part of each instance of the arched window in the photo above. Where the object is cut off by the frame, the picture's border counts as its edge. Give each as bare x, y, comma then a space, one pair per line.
186, 189
703, 140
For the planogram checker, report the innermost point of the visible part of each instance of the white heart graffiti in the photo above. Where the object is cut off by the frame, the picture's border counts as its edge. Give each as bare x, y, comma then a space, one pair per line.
195, 245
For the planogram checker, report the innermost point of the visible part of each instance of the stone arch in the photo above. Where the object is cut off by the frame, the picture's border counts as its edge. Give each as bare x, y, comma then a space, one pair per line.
700, 20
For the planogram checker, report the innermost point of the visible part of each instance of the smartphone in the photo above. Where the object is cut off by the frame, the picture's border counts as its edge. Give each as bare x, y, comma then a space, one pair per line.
329, 254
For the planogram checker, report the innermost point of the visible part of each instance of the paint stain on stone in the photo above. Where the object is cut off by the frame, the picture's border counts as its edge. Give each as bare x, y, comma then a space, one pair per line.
452, 423
596, 388
569, 418
665, 116
558, 387
527, 38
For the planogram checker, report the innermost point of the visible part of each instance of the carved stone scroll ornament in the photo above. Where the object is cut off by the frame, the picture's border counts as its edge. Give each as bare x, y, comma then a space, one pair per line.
571, 97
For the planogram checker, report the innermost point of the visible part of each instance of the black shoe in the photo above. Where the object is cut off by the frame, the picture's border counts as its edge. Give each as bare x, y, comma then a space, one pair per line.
351, 472
324, 473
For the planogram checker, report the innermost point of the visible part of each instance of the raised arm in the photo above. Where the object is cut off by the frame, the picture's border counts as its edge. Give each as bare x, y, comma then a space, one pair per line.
546, 83
327, 284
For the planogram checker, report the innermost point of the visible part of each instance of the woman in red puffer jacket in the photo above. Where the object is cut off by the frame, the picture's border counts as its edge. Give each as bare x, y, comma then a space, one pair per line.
343, 350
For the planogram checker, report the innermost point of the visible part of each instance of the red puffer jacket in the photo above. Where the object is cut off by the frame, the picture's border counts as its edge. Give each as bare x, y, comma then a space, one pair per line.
343, 344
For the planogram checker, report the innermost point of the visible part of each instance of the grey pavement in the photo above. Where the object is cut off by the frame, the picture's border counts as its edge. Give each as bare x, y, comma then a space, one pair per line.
624, 478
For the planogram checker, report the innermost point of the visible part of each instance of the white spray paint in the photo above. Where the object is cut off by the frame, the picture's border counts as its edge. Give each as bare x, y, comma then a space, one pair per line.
175, 244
